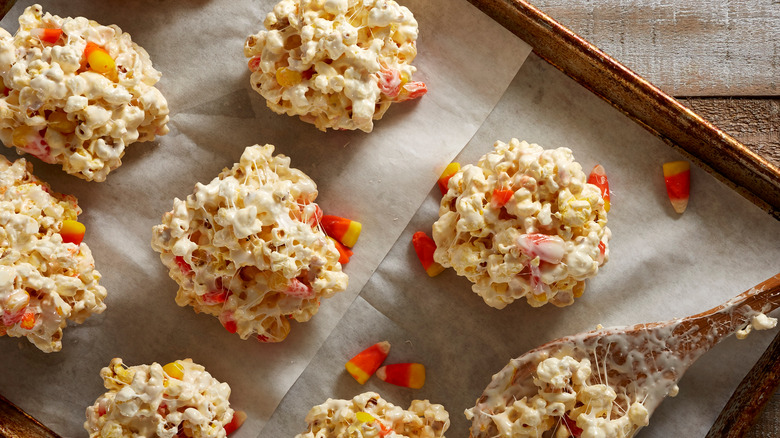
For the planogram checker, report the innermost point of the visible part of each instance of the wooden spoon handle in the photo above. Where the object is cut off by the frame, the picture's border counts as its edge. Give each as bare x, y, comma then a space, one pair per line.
722, 321
763, 298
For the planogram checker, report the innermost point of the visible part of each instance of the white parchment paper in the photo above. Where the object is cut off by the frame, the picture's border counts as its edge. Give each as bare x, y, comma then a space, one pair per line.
379, 179
662, 266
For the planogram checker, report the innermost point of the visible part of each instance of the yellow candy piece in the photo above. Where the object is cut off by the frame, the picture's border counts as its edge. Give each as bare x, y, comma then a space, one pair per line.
101, 62
352, 234
287, 78
444, 179
364, 417
98, 58
174, 370
675, 167
72, 231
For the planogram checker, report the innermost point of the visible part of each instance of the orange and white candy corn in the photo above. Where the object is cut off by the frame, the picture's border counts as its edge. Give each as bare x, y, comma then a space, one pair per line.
238, 419
424, 246
98, 58
50, 36
344, 252
677, 175
598, 177
344, 230
365, 363
72, 231
444, 179
500, 197
408, 375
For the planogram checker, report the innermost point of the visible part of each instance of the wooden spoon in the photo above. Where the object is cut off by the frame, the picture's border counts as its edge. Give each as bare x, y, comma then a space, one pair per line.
641, 363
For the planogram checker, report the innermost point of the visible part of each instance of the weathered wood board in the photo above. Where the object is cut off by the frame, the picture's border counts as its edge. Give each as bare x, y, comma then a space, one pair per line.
685, 47
753, 121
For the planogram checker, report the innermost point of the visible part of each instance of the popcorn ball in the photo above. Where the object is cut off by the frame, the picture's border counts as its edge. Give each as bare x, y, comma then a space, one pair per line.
368, 415
523, 222
335, 63
47, 276
180, 399
566, 402
76, 93
247, 247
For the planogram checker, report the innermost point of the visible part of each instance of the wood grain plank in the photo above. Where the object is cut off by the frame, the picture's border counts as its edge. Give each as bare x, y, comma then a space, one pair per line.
768, 424
18, 424
753, 121
685, 47
750, 397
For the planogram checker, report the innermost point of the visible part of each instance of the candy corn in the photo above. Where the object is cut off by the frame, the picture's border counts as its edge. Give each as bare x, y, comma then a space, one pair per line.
344, 230
28, 321
238, 419
444, 179
215, 296
254, 63
598, 177
174, 370
364, 417
424, 246
227, 319
602, 252
677, 175
185, 267
365, 363
412, 90
46, 35
98, 58
299, 289
501, 197
409, 375
344, 252
72, 231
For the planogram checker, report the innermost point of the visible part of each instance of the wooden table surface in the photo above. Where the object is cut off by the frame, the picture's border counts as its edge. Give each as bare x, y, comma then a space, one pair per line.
720, 58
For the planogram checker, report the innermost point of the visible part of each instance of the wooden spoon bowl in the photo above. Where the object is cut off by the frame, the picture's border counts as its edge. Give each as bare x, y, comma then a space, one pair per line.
641, 363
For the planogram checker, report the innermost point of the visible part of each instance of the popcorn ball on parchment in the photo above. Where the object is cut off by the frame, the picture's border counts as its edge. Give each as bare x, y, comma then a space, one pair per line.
76, 93
523, 222
335, 63
368, 415
47, 275
248, 248
180, 399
